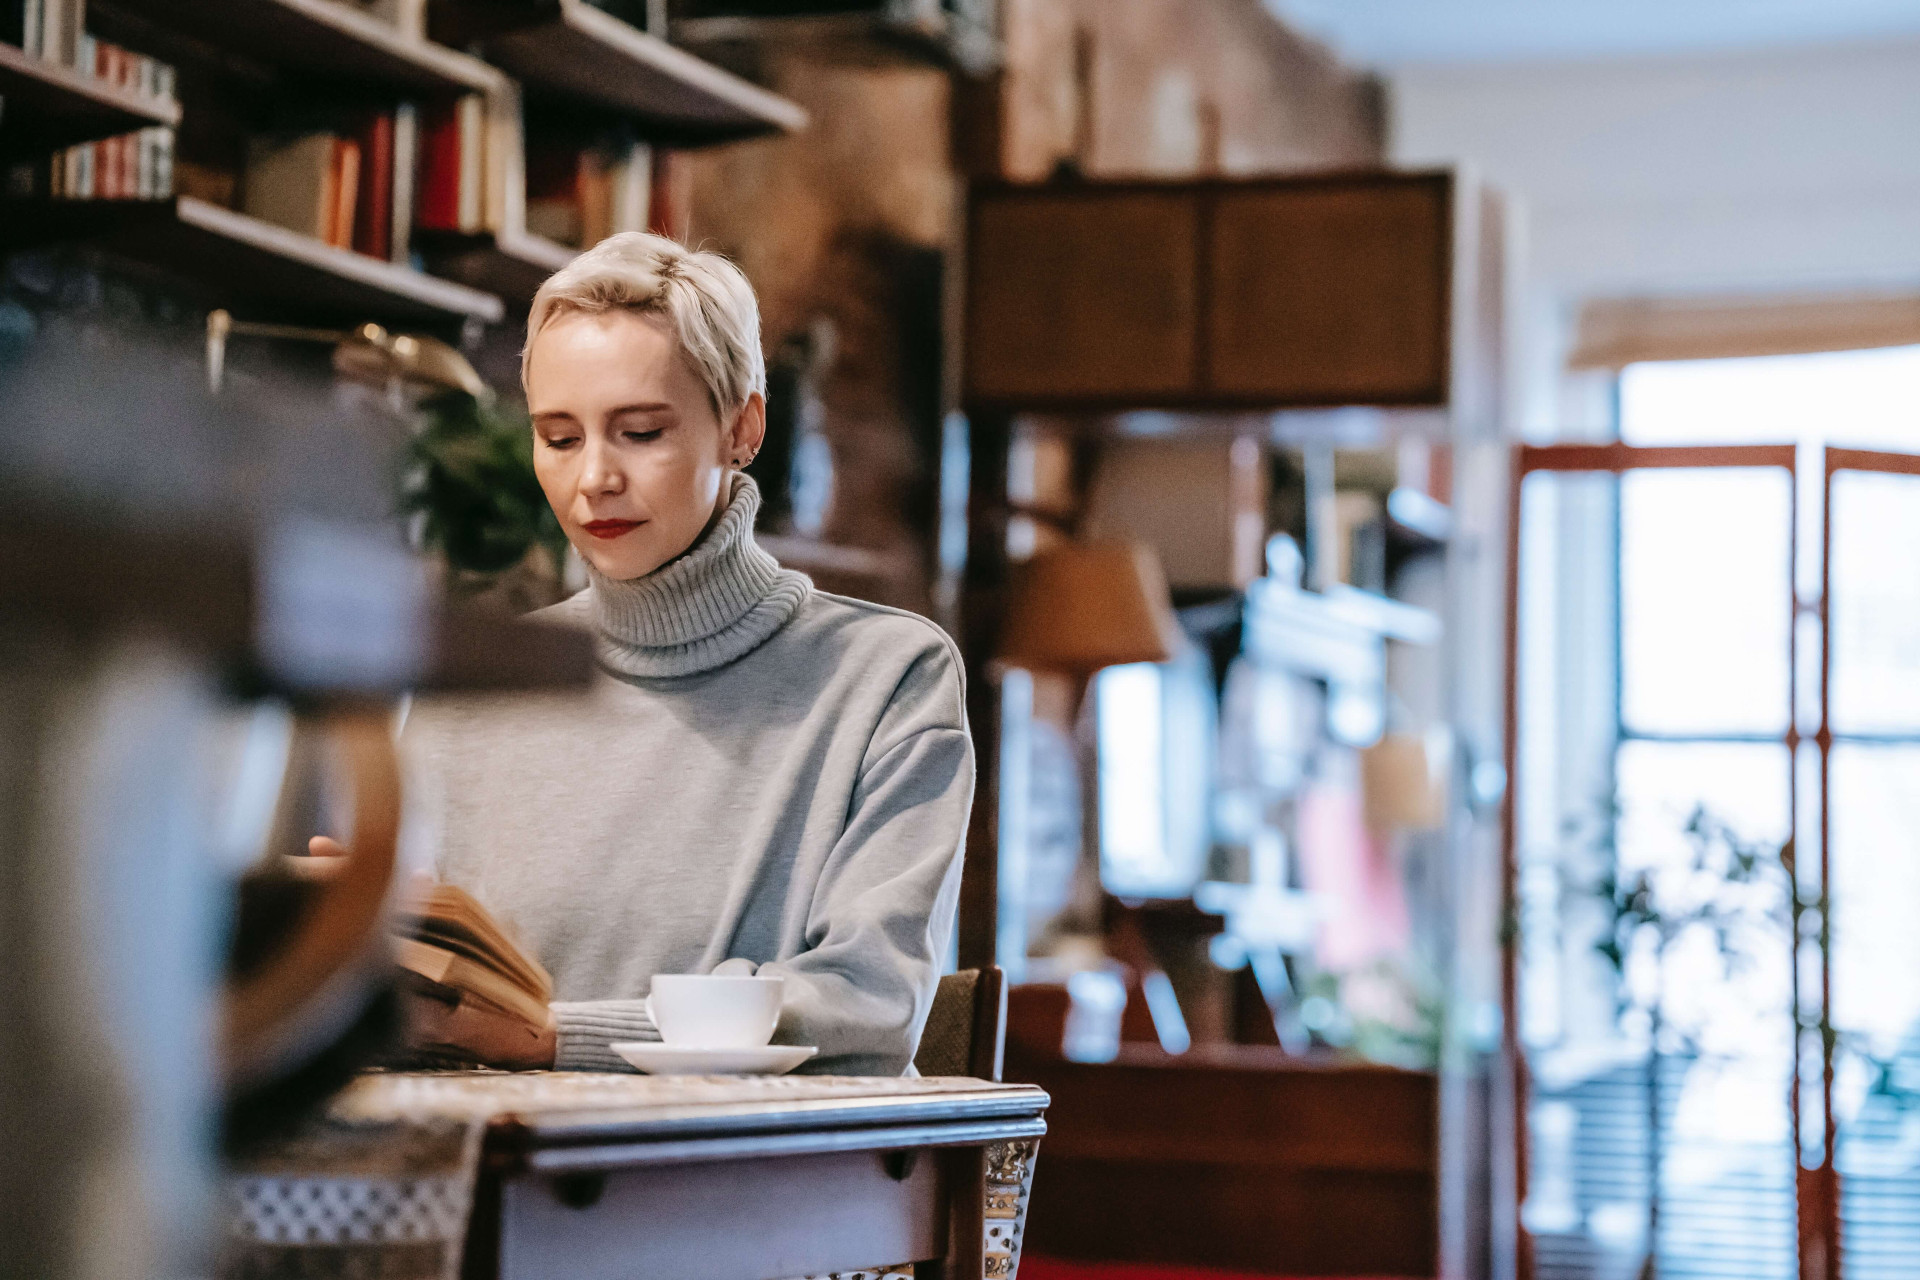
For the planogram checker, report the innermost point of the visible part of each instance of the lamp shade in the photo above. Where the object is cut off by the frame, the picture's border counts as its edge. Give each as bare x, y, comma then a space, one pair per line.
1080, 606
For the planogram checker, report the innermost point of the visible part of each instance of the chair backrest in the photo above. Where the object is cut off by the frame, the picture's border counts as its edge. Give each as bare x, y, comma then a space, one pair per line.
966, 1029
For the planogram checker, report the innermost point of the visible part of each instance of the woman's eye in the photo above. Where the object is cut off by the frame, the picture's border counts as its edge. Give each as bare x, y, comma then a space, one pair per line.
560, 442
641, 437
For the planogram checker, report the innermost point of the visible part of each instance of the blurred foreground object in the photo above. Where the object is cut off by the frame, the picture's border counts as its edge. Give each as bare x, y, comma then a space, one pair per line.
161, 553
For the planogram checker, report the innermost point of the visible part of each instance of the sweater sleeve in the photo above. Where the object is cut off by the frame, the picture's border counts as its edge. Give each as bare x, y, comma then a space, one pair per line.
883, 912
588, 1030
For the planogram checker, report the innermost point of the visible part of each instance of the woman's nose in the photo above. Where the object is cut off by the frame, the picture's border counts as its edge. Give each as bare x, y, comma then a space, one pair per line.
600, 474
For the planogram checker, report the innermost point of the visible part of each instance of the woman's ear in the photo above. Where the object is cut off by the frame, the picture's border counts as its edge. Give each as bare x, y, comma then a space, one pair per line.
749, 430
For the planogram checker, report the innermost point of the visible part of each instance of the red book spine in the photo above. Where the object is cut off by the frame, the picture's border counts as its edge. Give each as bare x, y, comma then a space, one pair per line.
437, 200
373, 218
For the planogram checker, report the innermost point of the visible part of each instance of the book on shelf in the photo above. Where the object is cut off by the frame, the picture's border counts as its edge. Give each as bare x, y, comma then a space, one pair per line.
123, 68
132, 166
50, 30
579, 196
452, 140
54, 31
451, 948
406, 164
307, 183
470, 174
373, 209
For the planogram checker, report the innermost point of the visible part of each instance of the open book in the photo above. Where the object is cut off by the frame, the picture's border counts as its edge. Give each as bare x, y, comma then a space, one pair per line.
454, 949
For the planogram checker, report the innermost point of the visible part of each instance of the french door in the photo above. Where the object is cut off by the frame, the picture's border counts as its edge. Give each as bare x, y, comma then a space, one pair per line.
1712, 861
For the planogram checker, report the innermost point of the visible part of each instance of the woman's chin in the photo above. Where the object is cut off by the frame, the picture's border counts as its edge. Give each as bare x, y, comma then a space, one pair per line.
621, 564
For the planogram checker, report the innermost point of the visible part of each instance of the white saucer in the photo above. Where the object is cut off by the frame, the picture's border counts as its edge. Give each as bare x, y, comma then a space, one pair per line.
686, 1060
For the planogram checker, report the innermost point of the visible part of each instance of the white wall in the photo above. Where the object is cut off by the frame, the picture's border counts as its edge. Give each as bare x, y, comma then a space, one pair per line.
1771, 171
1748, 170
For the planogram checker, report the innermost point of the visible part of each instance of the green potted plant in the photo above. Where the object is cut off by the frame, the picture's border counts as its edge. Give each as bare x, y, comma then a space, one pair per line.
1727, 887
469, 484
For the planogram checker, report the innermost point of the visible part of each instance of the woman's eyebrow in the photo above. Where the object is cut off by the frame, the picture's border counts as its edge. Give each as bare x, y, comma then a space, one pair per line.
554, 415
649, 406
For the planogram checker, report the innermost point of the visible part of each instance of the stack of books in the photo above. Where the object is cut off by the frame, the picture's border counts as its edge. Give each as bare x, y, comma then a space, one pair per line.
48, 29
133, 166
580, 197
471, 169
346, 189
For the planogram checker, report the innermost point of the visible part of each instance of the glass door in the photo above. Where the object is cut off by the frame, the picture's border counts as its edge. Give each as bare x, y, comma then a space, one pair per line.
1651, 971
1866, 1183
1713, 861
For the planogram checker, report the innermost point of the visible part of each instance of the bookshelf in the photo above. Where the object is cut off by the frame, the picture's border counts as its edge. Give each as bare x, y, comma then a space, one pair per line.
512, 264
597, 62
47, 107
237, 257
958, 38
321, 38
245, 67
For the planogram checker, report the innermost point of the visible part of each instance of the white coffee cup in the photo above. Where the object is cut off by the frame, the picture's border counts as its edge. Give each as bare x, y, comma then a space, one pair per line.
706, 1011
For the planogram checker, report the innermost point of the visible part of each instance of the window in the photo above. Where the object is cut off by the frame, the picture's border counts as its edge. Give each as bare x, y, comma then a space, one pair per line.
1671, 657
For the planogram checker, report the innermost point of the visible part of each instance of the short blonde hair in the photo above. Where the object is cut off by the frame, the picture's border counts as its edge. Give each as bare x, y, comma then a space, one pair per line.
704, 299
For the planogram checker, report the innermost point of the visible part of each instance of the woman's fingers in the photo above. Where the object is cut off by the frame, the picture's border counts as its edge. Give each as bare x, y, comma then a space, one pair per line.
323, 847
475, 1030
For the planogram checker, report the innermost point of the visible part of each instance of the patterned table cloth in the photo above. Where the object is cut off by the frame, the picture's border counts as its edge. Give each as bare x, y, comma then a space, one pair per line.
380, 1186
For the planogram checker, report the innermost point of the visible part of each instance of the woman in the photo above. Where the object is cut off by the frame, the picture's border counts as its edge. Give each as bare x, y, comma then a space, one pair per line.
765, 772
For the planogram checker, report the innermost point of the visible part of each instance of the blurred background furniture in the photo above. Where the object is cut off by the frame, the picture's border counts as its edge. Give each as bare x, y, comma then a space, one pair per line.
1273, 386
1237, 1158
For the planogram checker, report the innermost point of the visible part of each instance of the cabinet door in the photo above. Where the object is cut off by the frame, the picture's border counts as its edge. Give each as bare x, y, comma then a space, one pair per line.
1332, 292
1082, 295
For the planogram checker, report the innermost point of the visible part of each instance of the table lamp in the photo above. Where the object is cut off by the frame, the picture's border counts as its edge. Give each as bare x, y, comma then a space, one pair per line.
1078, 607
1081, 606
367, 354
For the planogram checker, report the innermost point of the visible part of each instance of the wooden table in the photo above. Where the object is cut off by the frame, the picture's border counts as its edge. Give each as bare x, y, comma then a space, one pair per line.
595, 1176
746, 1180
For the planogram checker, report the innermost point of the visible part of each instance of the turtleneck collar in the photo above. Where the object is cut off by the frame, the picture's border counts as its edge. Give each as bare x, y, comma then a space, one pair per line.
711, 606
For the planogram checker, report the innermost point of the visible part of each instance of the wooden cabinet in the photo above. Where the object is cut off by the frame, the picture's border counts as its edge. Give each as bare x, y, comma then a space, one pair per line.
1267, 293
1238, 1158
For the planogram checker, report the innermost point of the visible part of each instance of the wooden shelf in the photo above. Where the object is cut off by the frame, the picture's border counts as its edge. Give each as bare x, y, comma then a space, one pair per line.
242, 259
594, 59
47, 106
938, 39
322, 38
511, 264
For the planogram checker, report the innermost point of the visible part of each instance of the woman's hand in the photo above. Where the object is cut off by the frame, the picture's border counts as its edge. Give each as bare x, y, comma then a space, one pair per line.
478, 1032
469, 1029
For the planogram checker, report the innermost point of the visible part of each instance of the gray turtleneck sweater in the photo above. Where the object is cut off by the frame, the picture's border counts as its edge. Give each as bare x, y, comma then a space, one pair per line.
764, 771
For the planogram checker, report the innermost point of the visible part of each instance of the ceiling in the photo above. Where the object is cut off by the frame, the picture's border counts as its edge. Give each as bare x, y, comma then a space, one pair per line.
1393, 33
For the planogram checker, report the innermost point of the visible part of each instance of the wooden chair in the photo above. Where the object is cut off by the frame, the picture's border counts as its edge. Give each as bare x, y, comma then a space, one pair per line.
966, 1031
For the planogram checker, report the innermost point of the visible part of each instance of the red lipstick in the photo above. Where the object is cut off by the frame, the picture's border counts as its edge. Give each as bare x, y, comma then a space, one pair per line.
610, 528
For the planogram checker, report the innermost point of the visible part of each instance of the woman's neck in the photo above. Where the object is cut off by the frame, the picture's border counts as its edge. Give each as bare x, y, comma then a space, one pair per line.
711, 606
